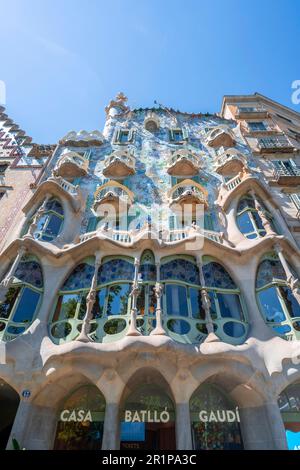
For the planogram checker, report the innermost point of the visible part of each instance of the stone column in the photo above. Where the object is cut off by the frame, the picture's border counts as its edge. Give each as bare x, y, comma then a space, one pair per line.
111, 431
7, 281
206, 304
133, 331
183, 427
34, 427
291, 280
90, 301
266, 223
158, 290
262, 427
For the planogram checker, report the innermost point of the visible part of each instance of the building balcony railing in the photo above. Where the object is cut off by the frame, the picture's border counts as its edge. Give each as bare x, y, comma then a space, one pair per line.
183, 163
229, 162
275, 144
188, 194
249, 112
114, 195
65, 185
71, 165
220, 137
118, 165
287, 176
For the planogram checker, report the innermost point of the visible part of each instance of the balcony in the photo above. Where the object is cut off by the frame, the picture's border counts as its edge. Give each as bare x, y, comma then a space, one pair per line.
287, 176
251, 112
112, 194
229, 162
186, 193
183, 163
220, 137
71, 165
119, 165
275, 144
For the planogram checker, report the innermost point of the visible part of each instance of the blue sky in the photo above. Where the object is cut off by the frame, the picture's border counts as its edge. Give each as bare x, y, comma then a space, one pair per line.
63, 60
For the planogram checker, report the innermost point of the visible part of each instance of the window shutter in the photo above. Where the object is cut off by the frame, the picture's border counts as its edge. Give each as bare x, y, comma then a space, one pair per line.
185, 134
131, 135
171, 135
117, 135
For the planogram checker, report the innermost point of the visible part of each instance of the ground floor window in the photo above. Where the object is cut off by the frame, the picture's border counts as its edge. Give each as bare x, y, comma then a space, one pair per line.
289, 404
9, 402
148, 420
215, 420
81, 420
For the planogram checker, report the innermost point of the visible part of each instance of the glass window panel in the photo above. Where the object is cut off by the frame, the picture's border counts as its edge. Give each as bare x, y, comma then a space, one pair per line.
216, 276
118, 299
66, 307
176, 300
257, 220
26, 306
141, 301
30, 271
10, 298
181, 270
233, 329
244, 223
115, 269
82, 307
293, 395
196, 304
152, 300
80, 278
99, 304
268, 271
53, 226
271, 306
251, 236
290, 301
230, 306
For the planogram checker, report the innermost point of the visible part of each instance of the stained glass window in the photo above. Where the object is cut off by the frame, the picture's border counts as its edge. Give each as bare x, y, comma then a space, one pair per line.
216, 276
80, 278
115, 270
180, 270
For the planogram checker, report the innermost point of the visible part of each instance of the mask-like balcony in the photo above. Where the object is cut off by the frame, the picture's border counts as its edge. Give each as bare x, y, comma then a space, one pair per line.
183, 163
229, 162
151, 122
288, 175
220, 137
71, 165
251, 112
112, 194
188, 193
275, 144
119, 165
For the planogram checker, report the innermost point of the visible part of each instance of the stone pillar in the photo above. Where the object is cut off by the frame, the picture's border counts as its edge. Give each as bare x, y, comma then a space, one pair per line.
292, 281
262, 427
183, 427
265, 221
7, 281
133, 331
90, 301
38, 215
158, 289
206, 304
34, 427
111, 432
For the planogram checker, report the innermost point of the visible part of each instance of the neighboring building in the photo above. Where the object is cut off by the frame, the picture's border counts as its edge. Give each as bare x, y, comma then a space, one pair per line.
150, 293
21, 166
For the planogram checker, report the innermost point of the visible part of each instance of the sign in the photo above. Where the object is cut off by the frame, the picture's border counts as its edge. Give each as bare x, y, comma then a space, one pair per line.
133, 432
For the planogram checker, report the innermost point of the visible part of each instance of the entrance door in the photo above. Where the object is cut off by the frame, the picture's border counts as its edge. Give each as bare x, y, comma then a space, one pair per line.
148, 420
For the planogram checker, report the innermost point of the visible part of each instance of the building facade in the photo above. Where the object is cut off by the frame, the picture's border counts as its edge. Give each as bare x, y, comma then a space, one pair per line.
149, 294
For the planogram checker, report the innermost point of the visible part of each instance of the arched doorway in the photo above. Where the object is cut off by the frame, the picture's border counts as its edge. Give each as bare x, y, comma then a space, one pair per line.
148, 415
289, 405
214, 420
9, 402
81, 420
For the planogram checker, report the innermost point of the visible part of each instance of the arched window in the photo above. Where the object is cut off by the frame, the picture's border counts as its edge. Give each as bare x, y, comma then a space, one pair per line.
81, 420
289, 405
183, 311
248, 219
111, 310
279, 307
146, 301
215, 420
20, 305
50, 223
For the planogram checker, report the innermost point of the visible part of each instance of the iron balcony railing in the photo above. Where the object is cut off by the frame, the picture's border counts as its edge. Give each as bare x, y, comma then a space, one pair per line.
279, 142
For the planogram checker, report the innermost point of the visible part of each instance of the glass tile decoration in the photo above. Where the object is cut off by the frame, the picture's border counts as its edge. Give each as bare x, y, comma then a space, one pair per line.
115, 270
268, 271
30, 272
217, 276
148, 272
80, 278
180, 270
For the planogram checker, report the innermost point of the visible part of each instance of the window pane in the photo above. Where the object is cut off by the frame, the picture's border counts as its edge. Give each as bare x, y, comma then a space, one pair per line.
66, 307
26, 306
141, 301
257, 220
176, 300
230, 306
196, 304
271, 306
244, 223
7, 305
118, 299
290, 301
53, 226
99, 304
152, 300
